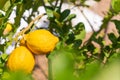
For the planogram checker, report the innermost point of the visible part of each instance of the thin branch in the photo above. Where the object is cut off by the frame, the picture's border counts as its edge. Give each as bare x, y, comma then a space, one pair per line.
56, 4
87, 20
28, 27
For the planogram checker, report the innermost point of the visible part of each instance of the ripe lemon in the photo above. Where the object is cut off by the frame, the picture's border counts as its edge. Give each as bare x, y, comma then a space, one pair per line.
41, 41
21, 59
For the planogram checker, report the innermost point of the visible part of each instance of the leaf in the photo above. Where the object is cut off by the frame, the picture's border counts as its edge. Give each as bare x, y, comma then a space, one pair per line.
77, 44
64, 14
80, 31
70, 17
6, 5
117, 24
81, 35
17, 75
2, 3
49, 12
113, 38
62, 64
4, 56
1, 47
91, 70
116, 5
56, 14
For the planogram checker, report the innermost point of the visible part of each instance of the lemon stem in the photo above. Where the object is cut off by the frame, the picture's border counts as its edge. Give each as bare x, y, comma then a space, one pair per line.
28, 27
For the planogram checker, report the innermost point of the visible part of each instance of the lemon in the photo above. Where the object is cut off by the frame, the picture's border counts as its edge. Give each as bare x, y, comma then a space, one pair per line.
21, 59
7, 29
41, 41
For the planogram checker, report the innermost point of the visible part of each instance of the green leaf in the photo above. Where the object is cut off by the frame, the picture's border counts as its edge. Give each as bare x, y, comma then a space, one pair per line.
117, 24
1, 71
116, 5
91, 70
62, 64
2, 3
49, 12
80, 31
4, 56
7, 5
64, 14
2, 48
18, 75
70, 17
81, 35
56, 14
112, 37
77, 44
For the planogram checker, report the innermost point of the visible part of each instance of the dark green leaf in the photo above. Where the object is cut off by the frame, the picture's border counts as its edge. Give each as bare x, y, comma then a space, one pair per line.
117, 24
112, 37
64, 14
77, 43
2, 48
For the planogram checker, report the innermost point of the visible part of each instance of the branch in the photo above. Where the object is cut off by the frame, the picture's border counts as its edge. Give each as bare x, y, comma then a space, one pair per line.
28, 27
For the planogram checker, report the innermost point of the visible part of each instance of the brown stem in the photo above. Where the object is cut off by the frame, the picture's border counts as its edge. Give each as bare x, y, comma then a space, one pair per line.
28, 27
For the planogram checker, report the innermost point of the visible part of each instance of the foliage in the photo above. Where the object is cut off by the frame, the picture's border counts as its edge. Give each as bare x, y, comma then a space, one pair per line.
72, 59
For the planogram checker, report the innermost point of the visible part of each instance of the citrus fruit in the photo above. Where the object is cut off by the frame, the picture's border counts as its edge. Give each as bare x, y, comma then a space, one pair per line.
21, 59
41, 41
7, 29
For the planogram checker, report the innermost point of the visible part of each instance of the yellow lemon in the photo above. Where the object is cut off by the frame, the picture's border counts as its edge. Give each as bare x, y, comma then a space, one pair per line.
21, 59
41, 41
7, 29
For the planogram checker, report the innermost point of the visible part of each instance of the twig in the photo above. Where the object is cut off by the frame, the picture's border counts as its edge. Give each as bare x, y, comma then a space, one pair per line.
28, 27
87, 20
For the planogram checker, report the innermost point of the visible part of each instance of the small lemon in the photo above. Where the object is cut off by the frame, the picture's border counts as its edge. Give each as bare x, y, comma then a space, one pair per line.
21, 59
7, 29
41, 41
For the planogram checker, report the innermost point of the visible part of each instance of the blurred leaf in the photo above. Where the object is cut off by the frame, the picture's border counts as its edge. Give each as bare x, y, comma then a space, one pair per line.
113, 69
1, 71
18, 75
2, 3
62, 63
77, 44
115, 5
91, 71
4, 56
49, 12
7, 5
2, 47
114, 57
56, 14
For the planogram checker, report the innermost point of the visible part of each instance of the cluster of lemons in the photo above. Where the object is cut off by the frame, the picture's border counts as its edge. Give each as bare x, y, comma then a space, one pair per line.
36, 42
